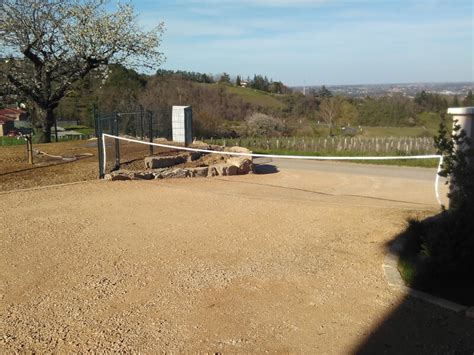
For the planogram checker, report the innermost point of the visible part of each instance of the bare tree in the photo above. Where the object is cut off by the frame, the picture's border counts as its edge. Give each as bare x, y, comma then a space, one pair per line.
51, 44
329, 110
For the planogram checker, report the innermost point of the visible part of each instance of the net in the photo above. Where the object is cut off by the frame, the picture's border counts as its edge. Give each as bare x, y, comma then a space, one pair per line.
129, 151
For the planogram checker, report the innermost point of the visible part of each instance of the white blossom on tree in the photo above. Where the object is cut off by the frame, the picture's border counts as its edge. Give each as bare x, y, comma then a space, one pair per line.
48, 45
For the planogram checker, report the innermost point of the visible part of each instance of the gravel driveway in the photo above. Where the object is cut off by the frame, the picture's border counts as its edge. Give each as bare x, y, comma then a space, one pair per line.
286, 262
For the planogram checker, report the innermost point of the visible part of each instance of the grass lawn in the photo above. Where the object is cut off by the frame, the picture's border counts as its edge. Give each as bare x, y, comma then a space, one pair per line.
7, 141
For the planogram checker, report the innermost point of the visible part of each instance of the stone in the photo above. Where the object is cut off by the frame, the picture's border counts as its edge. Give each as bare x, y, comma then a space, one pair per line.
157, 162
236, 149
158, 173
175, 173
232, 170
244, 164
200, 145
199, 172
221, 169
117, 177
164, 161
216, 148
192, 156
143, 176
212, 171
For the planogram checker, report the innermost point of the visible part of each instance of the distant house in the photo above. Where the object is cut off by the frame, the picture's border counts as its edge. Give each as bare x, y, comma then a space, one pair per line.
6, 125
12, 119
14, 114
244, 84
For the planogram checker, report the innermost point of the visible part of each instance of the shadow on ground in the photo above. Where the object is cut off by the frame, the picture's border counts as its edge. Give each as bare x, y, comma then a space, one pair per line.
418, 327
265, 169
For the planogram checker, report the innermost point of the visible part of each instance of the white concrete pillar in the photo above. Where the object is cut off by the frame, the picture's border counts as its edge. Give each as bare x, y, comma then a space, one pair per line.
182, 124
464, 117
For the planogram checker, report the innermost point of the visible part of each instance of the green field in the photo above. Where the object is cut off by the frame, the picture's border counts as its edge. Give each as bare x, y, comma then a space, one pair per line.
398, 132
257, 97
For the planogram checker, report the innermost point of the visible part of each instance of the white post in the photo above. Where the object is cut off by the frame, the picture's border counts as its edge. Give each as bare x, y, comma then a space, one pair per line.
464, 117
182, 124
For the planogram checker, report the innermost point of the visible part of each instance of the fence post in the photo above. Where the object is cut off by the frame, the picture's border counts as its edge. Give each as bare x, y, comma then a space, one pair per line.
115, 125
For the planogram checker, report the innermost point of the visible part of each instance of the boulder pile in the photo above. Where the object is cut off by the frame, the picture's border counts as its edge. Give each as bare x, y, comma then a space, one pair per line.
191, 164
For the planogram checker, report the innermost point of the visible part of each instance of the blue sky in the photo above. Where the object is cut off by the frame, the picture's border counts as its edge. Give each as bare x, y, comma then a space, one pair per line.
320, 41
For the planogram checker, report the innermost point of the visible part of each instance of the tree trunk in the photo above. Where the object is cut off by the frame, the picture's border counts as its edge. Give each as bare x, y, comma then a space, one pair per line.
46, 121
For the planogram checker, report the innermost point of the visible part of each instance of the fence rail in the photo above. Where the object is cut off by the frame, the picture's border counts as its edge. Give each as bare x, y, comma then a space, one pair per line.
359, 145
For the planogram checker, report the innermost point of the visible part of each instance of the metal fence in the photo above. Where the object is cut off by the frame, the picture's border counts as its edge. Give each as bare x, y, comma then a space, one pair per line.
137, 123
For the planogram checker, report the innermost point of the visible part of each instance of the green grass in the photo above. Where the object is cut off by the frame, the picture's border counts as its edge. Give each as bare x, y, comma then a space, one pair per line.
399, 131
81, 129
407, 269
424, 163
257, 97
8, 141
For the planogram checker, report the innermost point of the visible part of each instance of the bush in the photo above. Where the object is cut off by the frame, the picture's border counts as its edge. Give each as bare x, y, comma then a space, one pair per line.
259, 124
448, 242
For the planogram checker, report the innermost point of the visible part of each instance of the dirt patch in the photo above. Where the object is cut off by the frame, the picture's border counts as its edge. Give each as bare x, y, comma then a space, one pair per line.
16, 173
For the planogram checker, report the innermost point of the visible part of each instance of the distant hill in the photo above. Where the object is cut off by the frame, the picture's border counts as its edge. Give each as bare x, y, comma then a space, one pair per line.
406, 89
220, 108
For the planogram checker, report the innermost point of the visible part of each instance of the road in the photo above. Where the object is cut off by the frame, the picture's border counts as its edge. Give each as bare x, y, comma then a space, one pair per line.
394, 183
415, 173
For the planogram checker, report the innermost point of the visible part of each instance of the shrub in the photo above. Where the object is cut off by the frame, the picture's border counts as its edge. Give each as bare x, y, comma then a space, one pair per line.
260, 124
448, 242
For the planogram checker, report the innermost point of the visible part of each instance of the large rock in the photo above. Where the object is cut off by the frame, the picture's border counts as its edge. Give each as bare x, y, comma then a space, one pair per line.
236, 149
243, 163
199, 172
200, 145
143, 175
172, 173
223, 170
192, 156
232, 170
158, 162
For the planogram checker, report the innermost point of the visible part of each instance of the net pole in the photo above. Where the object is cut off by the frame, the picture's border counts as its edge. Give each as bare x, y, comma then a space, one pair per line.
142, 128
150, 130
100, 138
117, 141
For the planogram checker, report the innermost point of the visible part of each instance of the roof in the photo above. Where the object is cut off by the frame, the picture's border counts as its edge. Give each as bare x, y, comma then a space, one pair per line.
5, 118
11, 111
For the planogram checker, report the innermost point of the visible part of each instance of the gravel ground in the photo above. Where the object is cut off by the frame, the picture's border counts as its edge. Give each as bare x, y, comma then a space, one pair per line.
287, 262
